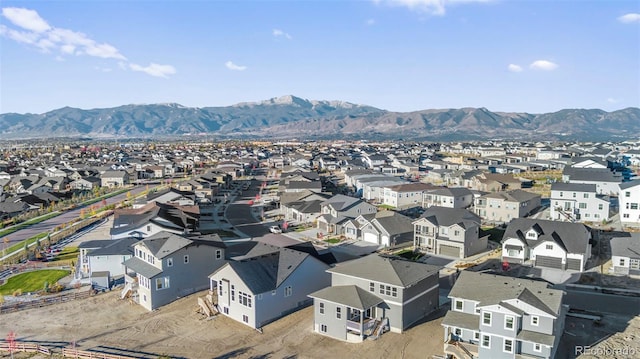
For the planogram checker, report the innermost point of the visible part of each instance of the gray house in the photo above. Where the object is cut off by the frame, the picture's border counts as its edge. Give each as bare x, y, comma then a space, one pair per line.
448, 231
578, 202
167, 266
337, 210
105, 256
625, 255
266, 284
494, 317
384, 228
371, 293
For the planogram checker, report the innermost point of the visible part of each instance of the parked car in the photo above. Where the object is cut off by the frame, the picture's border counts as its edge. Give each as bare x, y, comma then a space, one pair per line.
275, 229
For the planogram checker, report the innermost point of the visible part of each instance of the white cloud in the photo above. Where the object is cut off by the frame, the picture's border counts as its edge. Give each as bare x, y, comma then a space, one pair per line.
433, 7
154, 69
612, 100
231, 66
33, 30
371, 22
629, 18
544, 65
26, 19
280, 33
514, 68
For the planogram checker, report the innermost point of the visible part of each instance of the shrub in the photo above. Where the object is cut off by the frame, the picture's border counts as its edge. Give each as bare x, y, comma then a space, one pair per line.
17, 292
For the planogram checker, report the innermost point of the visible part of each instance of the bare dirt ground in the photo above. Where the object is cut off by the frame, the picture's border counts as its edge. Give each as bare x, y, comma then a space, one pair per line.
104, 322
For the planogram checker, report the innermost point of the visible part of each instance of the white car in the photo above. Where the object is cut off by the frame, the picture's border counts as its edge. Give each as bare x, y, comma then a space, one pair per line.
275, 229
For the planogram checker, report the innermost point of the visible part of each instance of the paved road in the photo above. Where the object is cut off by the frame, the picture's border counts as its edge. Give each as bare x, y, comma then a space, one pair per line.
602, 303
65, 217
239, 213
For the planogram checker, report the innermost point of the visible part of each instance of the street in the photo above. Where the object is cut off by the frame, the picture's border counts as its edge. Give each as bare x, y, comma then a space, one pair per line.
602, 303
65, 217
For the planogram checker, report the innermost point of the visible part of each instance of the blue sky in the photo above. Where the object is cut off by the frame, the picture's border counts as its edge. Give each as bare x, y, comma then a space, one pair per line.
399, 55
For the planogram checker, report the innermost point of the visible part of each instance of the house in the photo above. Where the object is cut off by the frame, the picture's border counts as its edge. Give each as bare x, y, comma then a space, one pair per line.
86, 183
114, 179
501, 207
153, 218
167, 266
105, 256
266, 284
371, 293
302, 207
384, 228
340, 208
406, 195
452, 232
578, 202
549, 244
629, 202
494, 316
457, 197
625, 255
606, 182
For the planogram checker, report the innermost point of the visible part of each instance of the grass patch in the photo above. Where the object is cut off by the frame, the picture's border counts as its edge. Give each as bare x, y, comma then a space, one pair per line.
332, 240
22, 225
32, 281
409, 254
495, 234
68, 254
20, 245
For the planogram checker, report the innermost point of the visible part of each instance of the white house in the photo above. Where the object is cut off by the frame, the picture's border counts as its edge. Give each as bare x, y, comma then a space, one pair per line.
625, 255
629, 201
578, 202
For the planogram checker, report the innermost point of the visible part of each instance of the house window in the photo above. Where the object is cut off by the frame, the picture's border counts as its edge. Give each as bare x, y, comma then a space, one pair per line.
621, 261
144, 297
537, 347
245, 318
459, 304
458, 332
508, 346
218, 254
233, 293
535, 320
586, 195
394, 292
338, 312
456, 233
508, 322
634, 206
148, 228
162, 283
476, 335
288, 291
323, 328
259, 296
574, 195
220, 288
486, 341
582, 205
486, 318
273, 292
321, 308
477, 310
627, 194
244, 299
169, 262
372, 287
549, 246
186, 259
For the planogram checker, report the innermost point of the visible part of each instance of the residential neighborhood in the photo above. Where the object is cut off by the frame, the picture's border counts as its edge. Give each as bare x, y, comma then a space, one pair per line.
490, 241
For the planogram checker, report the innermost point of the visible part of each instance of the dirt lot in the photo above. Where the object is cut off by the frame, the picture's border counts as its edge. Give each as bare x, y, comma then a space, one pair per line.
104, 322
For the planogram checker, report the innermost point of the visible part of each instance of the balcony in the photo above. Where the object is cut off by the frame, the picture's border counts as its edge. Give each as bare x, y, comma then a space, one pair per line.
367, 325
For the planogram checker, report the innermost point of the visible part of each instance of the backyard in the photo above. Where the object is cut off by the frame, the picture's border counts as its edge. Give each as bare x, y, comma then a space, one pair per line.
32, 281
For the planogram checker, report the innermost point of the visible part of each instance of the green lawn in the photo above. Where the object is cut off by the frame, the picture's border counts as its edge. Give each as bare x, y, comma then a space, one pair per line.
495, 234
32, 281
67, 254
332, 240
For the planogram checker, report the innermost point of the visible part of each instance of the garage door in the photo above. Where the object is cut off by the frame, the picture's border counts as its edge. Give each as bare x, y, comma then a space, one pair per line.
450, 251
371, 238
573, 264
549, 262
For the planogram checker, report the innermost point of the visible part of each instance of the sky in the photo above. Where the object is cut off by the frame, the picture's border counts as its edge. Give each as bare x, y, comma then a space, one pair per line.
399, 55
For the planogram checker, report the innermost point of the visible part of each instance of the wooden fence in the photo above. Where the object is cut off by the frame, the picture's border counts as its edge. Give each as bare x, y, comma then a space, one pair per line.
24, 347
18, 346
17, 306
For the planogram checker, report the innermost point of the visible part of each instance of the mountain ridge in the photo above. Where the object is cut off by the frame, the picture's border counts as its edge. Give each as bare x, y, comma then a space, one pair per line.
294, 117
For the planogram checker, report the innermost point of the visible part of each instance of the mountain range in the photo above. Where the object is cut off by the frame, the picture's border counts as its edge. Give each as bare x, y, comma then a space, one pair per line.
293, 117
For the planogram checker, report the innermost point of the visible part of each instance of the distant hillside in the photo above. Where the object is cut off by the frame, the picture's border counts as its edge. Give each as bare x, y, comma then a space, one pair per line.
293, 117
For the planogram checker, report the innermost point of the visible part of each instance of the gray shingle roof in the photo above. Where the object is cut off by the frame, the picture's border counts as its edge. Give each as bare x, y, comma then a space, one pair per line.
626, 246
164, 243
349, 295
116, 247
444, 216
573, 237
629, 184
490, 289
461, 320
576, 187
141, 267
386, 269
536, 337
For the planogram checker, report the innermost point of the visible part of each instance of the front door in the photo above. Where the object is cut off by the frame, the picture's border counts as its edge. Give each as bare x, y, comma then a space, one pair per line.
224, 295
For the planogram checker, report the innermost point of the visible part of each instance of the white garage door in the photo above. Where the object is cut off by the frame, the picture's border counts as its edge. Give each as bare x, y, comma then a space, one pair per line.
371, 238
450, 251
549, 262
